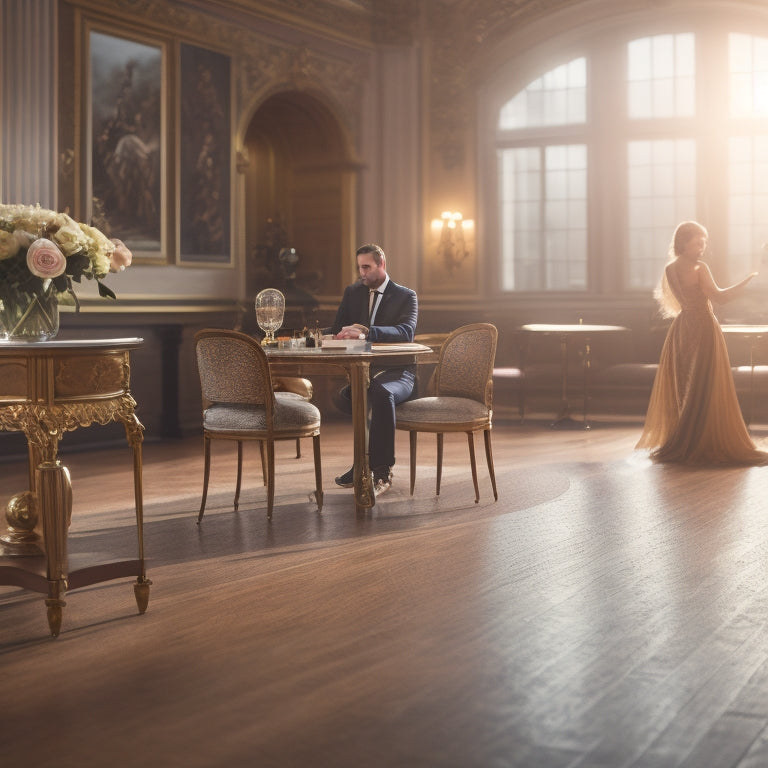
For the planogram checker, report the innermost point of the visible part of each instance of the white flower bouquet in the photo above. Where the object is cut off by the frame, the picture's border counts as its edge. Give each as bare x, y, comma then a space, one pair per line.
42, 252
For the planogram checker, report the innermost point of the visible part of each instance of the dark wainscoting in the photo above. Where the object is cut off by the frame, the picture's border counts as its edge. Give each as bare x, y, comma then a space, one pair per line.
165, 385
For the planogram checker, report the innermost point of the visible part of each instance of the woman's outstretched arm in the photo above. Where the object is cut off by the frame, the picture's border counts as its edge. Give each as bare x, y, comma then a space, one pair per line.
713, 291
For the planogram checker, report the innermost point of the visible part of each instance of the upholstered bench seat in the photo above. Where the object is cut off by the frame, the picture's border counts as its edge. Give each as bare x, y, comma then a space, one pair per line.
626, 376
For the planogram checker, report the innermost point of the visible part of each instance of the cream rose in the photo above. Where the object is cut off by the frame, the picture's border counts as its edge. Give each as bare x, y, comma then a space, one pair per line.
24, 238
9, 246
99, 250
45, 259
121, 256
69, 237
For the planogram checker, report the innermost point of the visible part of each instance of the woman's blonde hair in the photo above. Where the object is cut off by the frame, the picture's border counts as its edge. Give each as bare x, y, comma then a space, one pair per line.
669, 306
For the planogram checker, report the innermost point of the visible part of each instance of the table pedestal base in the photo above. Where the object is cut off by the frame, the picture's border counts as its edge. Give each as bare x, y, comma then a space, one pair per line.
566, 421
583, 332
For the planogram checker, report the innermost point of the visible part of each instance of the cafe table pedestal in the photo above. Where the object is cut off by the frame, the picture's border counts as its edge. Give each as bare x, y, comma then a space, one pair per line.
47, 389
583, 332
754, 334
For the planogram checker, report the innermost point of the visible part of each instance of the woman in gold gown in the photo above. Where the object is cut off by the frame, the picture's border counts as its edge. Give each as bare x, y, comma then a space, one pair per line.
694, 415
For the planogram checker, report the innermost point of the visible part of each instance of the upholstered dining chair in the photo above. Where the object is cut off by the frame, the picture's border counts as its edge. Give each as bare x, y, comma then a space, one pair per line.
239, 403
460, 400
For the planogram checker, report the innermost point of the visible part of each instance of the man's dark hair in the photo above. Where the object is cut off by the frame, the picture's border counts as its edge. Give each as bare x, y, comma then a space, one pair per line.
376, 250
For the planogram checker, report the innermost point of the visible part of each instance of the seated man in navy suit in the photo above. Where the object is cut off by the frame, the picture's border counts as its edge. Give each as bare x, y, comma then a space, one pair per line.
379, 310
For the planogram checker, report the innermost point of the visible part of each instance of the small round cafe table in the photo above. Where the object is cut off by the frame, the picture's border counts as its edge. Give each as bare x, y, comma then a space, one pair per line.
583, 332
754, 333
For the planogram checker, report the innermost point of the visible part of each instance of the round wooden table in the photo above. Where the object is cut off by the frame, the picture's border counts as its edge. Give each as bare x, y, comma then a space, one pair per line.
583, 332
754, 333
356, 363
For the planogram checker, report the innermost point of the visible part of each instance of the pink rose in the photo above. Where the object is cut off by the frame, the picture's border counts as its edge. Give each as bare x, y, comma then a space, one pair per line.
121, 257
45, 259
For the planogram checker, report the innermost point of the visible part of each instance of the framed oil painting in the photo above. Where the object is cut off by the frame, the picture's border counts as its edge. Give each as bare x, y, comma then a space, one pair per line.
127, 163
205, 158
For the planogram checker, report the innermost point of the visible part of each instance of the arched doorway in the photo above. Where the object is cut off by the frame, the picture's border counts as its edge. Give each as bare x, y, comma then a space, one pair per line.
300, 188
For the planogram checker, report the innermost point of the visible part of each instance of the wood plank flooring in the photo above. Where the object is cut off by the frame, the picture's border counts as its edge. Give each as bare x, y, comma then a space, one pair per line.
605, 612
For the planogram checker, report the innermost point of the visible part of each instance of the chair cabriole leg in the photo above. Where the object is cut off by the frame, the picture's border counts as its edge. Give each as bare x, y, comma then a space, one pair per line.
239, 473
473, 463
412, 435
489, 460
270, 477
263, 453
318, 472
439, 463
206, 475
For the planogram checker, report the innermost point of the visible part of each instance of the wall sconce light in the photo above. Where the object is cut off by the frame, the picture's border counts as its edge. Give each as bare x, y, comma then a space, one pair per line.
453, 235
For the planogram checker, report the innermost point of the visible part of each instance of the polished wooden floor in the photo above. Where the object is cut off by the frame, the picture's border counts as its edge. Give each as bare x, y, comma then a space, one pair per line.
605, 612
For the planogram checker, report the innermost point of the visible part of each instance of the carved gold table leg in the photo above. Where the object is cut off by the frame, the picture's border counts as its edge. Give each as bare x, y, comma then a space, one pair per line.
359, 378
55, 494
134, 431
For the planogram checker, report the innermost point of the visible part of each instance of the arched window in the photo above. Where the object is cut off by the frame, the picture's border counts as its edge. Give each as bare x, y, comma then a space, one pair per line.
661, 169
598, 158
543, 184
747, 146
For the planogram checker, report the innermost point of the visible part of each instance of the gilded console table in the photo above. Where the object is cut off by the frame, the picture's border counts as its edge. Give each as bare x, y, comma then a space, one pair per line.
47, 389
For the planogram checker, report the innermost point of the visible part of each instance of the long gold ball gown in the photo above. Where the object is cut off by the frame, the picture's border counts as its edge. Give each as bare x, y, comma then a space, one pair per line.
693, 414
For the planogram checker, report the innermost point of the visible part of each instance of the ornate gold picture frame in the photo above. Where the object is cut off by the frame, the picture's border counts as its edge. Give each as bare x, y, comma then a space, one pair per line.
126, 148
205, 174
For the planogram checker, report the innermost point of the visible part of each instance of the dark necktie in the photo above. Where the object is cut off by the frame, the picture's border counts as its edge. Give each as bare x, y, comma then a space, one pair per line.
372, 302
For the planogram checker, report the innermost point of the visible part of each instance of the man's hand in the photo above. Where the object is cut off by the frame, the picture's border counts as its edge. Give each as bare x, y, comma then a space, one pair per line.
355, 331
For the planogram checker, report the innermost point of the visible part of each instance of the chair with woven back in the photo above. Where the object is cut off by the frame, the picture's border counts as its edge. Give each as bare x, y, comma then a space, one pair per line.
240, 403
460, 400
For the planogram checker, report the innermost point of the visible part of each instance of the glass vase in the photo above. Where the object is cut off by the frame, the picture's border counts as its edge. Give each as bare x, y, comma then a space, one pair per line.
270, 310
29, 316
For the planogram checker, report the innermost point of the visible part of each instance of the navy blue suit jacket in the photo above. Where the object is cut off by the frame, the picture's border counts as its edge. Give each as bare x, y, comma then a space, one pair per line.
395, 318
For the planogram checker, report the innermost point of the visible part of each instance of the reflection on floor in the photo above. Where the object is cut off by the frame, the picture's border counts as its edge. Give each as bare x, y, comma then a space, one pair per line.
605, 612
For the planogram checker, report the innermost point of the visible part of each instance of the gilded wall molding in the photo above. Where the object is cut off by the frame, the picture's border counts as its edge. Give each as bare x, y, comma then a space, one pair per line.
350, 21
458, 32
395, 22
264, 65
352, 18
